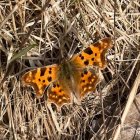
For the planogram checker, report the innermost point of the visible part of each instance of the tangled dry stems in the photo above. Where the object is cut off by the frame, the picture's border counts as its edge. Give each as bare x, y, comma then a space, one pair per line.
72, 24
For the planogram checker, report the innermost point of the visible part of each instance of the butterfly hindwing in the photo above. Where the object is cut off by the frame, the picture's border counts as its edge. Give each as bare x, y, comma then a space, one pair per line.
58, 93
40, 78
94, 55
87, 82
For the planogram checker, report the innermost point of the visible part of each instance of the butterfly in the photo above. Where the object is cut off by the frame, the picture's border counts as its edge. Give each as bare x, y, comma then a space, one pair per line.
75, 77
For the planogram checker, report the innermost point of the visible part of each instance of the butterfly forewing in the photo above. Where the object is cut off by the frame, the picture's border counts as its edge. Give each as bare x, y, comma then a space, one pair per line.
94, 55
40, 78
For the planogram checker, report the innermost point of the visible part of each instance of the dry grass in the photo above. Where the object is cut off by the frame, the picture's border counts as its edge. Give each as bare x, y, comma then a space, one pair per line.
47, 27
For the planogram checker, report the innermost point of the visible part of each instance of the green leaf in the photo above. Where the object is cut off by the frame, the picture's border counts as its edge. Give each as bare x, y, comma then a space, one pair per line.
21, 52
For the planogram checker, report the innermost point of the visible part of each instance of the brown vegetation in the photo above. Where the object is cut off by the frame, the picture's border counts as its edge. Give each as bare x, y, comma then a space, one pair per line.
33, 33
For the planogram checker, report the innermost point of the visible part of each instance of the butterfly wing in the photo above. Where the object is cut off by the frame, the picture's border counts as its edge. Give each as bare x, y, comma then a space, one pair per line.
40, 78
94, 55
58, 93
87, 82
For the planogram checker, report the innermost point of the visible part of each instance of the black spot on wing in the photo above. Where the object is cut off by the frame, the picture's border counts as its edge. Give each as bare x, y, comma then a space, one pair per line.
49, 79
89, 78
95, 54
82, 57
60, 90
82, 75
86, 62
34, 73
88, 51
85, 72
42, 70
82, 81
54, 85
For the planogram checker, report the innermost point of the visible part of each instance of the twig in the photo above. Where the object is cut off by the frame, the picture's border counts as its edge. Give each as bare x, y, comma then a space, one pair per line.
128, 105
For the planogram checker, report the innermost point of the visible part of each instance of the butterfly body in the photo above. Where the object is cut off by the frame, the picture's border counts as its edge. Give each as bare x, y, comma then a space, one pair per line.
77, 76
66, 70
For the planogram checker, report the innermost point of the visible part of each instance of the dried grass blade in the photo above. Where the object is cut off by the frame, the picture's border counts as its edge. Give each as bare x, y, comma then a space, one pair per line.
128, 105
22, 52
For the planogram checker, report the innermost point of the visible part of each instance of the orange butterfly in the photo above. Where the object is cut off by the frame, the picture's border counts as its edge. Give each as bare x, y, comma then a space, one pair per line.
75, 77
